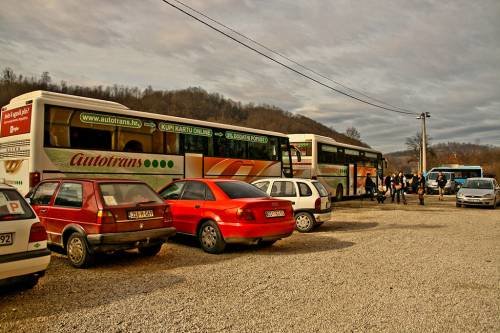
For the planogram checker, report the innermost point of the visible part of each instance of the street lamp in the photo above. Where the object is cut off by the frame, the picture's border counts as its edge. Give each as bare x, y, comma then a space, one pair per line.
423, 146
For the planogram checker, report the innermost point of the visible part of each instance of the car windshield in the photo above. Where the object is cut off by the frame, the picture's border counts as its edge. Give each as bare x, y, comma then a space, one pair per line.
478, 184
321, 189
237, 190
13, 206
114, 194
432, 176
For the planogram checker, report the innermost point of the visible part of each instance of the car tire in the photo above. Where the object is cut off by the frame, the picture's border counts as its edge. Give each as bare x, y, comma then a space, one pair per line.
266, 243
149, 251
339, 193
77, 250
304, 222
210, 238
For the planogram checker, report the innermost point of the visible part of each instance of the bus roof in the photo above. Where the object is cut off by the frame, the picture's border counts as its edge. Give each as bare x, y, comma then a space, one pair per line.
327, 140
456, 167
99, 105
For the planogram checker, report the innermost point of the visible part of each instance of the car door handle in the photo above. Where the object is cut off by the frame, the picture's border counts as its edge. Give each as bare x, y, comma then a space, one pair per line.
43, 211
197, 206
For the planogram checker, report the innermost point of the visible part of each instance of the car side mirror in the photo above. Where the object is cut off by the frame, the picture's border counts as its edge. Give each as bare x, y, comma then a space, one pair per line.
28, 200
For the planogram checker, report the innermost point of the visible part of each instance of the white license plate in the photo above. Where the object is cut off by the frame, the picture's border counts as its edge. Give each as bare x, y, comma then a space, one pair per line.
140, 214
6, 239
275, 213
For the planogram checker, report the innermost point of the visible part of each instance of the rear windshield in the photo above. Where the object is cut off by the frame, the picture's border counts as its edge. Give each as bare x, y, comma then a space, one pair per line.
114, 194
13, 206
321, 189
237, 190
478, 184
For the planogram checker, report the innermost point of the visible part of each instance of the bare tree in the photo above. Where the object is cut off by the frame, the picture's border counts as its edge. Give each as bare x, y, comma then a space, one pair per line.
353, 133
414, 145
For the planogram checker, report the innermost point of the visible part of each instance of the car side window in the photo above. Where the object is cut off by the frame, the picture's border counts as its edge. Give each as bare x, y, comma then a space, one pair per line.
194, 191
173, 191
304, 190
283, 189
70, 195
43, 194
262, 185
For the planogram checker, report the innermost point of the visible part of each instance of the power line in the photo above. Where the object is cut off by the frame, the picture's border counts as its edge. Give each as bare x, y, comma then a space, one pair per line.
289, 59
285, 65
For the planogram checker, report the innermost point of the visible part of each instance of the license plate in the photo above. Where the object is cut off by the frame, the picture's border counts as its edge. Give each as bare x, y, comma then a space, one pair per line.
6, 239
140, 214
275, 213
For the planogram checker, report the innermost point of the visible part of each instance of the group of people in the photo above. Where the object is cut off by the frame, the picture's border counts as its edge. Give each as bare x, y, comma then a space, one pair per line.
397, 185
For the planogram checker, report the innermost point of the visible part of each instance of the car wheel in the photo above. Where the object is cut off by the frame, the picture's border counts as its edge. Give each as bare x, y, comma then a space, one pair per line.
78, 252
210, 238
304, 222
149, 251
266, 243
339, 193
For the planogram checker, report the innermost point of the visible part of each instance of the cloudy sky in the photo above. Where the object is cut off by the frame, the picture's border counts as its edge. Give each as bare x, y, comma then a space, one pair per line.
441, 57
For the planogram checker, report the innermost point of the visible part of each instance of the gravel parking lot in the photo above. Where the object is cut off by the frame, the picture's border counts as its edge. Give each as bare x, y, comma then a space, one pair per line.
372, 268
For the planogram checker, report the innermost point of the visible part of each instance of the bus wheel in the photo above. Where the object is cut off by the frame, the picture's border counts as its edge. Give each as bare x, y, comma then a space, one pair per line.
339, 193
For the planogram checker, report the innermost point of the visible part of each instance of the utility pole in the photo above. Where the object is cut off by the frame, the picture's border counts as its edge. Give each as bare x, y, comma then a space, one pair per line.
423, 149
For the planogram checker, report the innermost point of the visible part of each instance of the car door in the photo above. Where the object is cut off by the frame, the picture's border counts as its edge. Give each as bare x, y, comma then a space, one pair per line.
40, 200
286, 190
190, 206
306, 199
67, 209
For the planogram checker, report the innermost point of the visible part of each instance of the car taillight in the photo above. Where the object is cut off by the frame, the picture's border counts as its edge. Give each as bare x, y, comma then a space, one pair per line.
37, 233
317, 204
34, 178
167, 215
245, 214
105, 216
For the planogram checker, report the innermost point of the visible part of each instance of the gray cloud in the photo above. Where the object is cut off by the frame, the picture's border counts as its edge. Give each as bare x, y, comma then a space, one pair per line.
435, 56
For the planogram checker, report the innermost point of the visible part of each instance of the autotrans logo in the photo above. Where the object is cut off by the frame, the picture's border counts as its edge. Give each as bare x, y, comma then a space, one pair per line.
110, 161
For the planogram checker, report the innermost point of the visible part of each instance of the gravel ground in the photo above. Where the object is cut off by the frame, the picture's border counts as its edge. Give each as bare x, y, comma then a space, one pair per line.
372, 268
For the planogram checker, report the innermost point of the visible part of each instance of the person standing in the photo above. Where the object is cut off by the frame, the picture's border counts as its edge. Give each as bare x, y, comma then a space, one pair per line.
414, 183
369, 186
441, 181
393, 187
388, 184
421, 188
398, 187
404, 186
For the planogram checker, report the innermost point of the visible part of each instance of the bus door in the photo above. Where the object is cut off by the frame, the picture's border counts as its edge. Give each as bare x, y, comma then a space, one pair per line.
193, 165
352, 179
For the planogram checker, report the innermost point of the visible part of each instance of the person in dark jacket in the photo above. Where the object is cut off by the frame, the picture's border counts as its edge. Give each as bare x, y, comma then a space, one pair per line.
414, 183
398, 187
441, 182
421, 188
388, 185
369, 186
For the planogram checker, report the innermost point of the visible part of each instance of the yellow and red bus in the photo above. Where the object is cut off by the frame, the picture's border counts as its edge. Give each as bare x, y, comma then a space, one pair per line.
340, 167
47, 135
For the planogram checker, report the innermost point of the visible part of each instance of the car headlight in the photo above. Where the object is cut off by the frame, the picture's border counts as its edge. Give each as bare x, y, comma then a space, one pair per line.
460, 195
488, 195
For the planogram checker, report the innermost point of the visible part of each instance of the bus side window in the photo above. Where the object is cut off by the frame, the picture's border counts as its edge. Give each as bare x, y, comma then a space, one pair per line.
172, 143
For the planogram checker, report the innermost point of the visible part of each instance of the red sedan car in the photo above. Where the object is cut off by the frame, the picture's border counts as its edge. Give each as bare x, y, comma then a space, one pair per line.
221, 211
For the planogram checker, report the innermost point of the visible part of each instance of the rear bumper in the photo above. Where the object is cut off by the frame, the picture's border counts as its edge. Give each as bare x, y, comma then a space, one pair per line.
323, 217
24, 263
252, 233
130, 237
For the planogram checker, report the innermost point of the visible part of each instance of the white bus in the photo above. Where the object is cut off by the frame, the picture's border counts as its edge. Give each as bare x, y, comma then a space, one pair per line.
47, 135
342, 168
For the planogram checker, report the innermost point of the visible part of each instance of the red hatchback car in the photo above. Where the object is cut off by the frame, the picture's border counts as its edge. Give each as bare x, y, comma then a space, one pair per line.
220, 211
85, 216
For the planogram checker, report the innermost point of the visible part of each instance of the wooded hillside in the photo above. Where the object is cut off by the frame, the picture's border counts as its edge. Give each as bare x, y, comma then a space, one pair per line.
190, 103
